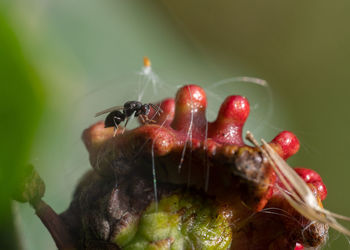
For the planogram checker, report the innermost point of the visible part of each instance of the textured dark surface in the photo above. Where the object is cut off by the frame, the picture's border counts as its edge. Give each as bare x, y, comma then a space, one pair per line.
102, 207
115, 202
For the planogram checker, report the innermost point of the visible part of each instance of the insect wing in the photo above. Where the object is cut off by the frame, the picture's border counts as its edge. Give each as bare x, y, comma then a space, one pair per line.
298, 194
109, 110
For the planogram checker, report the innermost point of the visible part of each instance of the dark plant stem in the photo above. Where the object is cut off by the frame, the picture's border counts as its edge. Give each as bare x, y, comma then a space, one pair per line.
55, 225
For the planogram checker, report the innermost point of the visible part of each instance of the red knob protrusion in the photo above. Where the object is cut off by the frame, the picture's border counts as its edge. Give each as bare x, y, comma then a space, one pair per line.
308, 175
299, 246
321, 189
168, 111
155, 138
312, 177
190, 106
227, 128
165, 115
287, 144
96, 135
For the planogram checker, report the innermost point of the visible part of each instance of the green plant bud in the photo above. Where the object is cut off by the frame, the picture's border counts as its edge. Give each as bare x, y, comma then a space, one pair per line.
179, 221
31, 188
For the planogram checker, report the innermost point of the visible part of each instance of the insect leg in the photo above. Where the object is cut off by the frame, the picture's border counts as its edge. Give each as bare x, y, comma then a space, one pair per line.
116, 125
143, 119
147, 120
126, 123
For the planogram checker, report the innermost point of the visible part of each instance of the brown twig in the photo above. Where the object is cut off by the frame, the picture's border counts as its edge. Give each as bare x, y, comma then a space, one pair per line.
55, 225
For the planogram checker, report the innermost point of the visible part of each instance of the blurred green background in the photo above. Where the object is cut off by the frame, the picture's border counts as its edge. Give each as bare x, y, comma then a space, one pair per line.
61, 61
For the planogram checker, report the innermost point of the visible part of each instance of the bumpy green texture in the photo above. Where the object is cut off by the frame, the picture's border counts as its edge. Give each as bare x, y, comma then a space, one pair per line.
179, 221
31, 188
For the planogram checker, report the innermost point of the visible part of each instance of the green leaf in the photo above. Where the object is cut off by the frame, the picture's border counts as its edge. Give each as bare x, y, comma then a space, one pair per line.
21, 101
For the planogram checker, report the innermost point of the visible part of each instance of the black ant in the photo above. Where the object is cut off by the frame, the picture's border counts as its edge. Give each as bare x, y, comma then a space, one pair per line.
118, 114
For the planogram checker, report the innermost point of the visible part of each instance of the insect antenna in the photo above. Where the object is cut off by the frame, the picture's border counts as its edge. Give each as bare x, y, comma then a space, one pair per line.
156, 108
116, 126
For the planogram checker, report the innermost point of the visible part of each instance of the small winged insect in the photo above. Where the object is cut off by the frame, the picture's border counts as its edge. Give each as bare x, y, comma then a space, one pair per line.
118, 114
